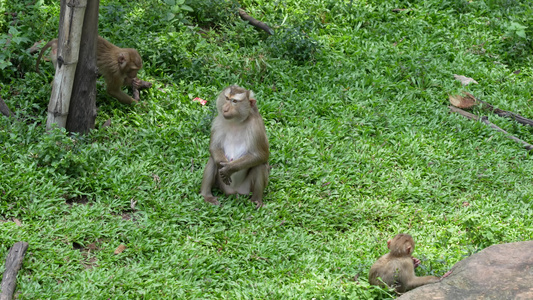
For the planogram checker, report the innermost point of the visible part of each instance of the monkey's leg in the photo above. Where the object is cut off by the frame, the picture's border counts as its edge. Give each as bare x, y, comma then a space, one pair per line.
259, 181
208, 181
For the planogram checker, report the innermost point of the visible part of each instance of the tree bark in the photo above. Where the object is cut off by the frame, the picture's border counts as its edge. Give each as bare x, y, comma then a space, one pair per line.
73, 12
82, 111
13, 264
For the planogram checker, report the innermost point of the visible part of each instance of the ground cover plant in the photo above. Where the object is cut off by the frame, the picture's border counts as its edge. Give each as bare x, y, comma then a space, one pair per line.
354, 95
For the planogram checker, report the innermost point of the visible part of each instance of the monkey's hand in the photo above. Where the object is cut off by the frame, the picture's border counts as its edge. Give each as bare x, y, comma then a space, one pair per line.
135, 83
416, 261
225, 172
446, 274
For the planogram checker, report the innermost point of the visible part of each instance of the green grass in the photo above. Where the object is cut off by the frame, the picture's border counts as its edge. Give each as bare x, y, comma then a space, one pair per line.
363, 147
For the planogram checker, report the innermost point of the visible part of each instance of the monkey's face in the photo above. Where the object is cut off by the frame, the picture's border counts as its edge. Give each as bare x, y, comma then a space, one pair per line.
130, 62
233, 103
132, 73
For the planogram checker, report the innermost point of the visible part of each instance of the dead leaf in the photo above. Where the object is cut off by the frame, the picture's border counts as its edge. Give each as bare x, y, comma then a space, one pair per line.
132, 204
464, 80
156, 178
17, 221
91, 247
120, 249
107, 123
466, 101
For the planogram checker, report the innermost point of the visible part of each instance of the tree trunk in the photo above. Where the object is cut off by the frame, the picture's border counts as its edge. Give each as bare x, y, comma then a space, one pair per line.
73, 12
82, 111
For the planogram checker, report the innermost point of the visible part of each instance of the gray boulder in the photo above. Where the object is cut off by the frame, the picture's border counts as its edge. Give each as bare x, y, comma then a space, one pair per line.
498, 272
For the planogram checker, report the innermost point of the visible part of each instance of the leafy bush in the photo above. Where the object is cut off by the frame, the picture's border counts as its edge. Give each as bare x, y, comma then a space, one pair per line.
213, 13
294, 43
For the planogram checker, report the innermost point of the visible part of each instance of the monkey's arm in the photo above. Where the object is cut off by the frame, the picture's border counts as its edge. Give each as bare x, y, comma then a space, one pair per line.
419, 281
242, 163
218, 155
256, 156
114, 88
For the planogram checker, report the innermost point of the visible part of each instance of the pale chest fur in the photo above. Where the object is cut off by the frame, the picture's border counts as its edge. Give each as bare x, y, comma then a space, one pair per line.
234, 146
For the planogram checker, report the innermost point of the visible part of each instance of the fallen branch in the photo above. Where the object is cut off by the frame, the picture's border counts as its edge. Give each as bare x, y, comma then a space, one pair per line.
254, 22
13, 263
139, 85
507, 114
463, 113
491, 108
485, 120
4, 109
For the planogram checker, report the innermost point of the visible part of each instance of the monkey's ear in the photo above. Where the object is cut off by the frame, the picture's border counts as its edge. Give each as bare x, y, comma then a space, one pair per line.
121, 59
252, 102
409, 249
388, 244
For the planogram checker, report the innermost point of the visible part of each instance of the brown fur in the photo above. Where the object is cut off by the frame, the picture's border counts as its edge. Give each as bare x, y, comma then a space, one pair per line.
118, 66
239, 148
396, 269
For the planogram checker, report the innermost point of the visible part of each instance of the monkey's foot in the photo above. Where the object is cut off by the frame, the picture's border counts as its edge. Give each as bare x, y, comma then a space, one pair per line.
212, 200
258, 204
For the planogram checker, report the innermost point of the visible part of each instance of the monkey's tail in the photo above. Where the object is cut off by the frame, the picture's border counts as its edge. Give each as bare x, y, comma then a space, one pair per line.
48, 45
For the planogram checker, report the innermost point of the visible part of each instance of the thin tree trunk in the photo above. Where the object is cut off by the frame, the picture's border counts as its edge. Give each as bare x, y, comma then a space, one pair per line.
67, 58
82, 111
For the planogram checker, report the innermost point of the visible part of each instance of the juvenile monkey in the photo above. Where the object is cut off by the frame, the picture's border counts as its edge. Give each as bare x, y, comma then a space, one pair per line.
396, 269
239, 148
119, 66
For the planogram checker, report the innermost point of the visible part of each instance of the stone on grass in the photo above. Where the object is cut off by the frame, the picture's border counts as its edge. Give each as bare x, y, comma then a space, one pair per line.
498, 272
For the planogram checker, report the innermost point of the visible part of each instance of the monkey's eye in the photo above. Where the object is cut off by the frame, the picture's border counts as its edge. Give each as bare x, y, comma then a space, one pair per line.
234, 101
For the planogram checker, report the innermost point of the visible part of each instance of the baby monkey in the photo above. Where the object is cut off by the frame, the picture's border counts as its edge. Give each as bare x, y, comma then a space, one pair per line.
119, 66
396, 269
239, 148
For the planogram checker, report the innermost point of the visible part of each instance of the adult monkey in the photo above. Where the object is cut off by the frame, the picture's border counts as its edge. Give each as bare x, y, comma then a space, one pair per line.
119, 66
239, 149
396, 269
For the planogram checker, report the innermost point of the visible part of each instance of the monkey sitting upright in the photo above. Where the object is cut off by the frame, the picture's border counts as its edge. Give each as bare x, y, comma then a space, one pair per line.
396, 269
119, 66
239, 148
